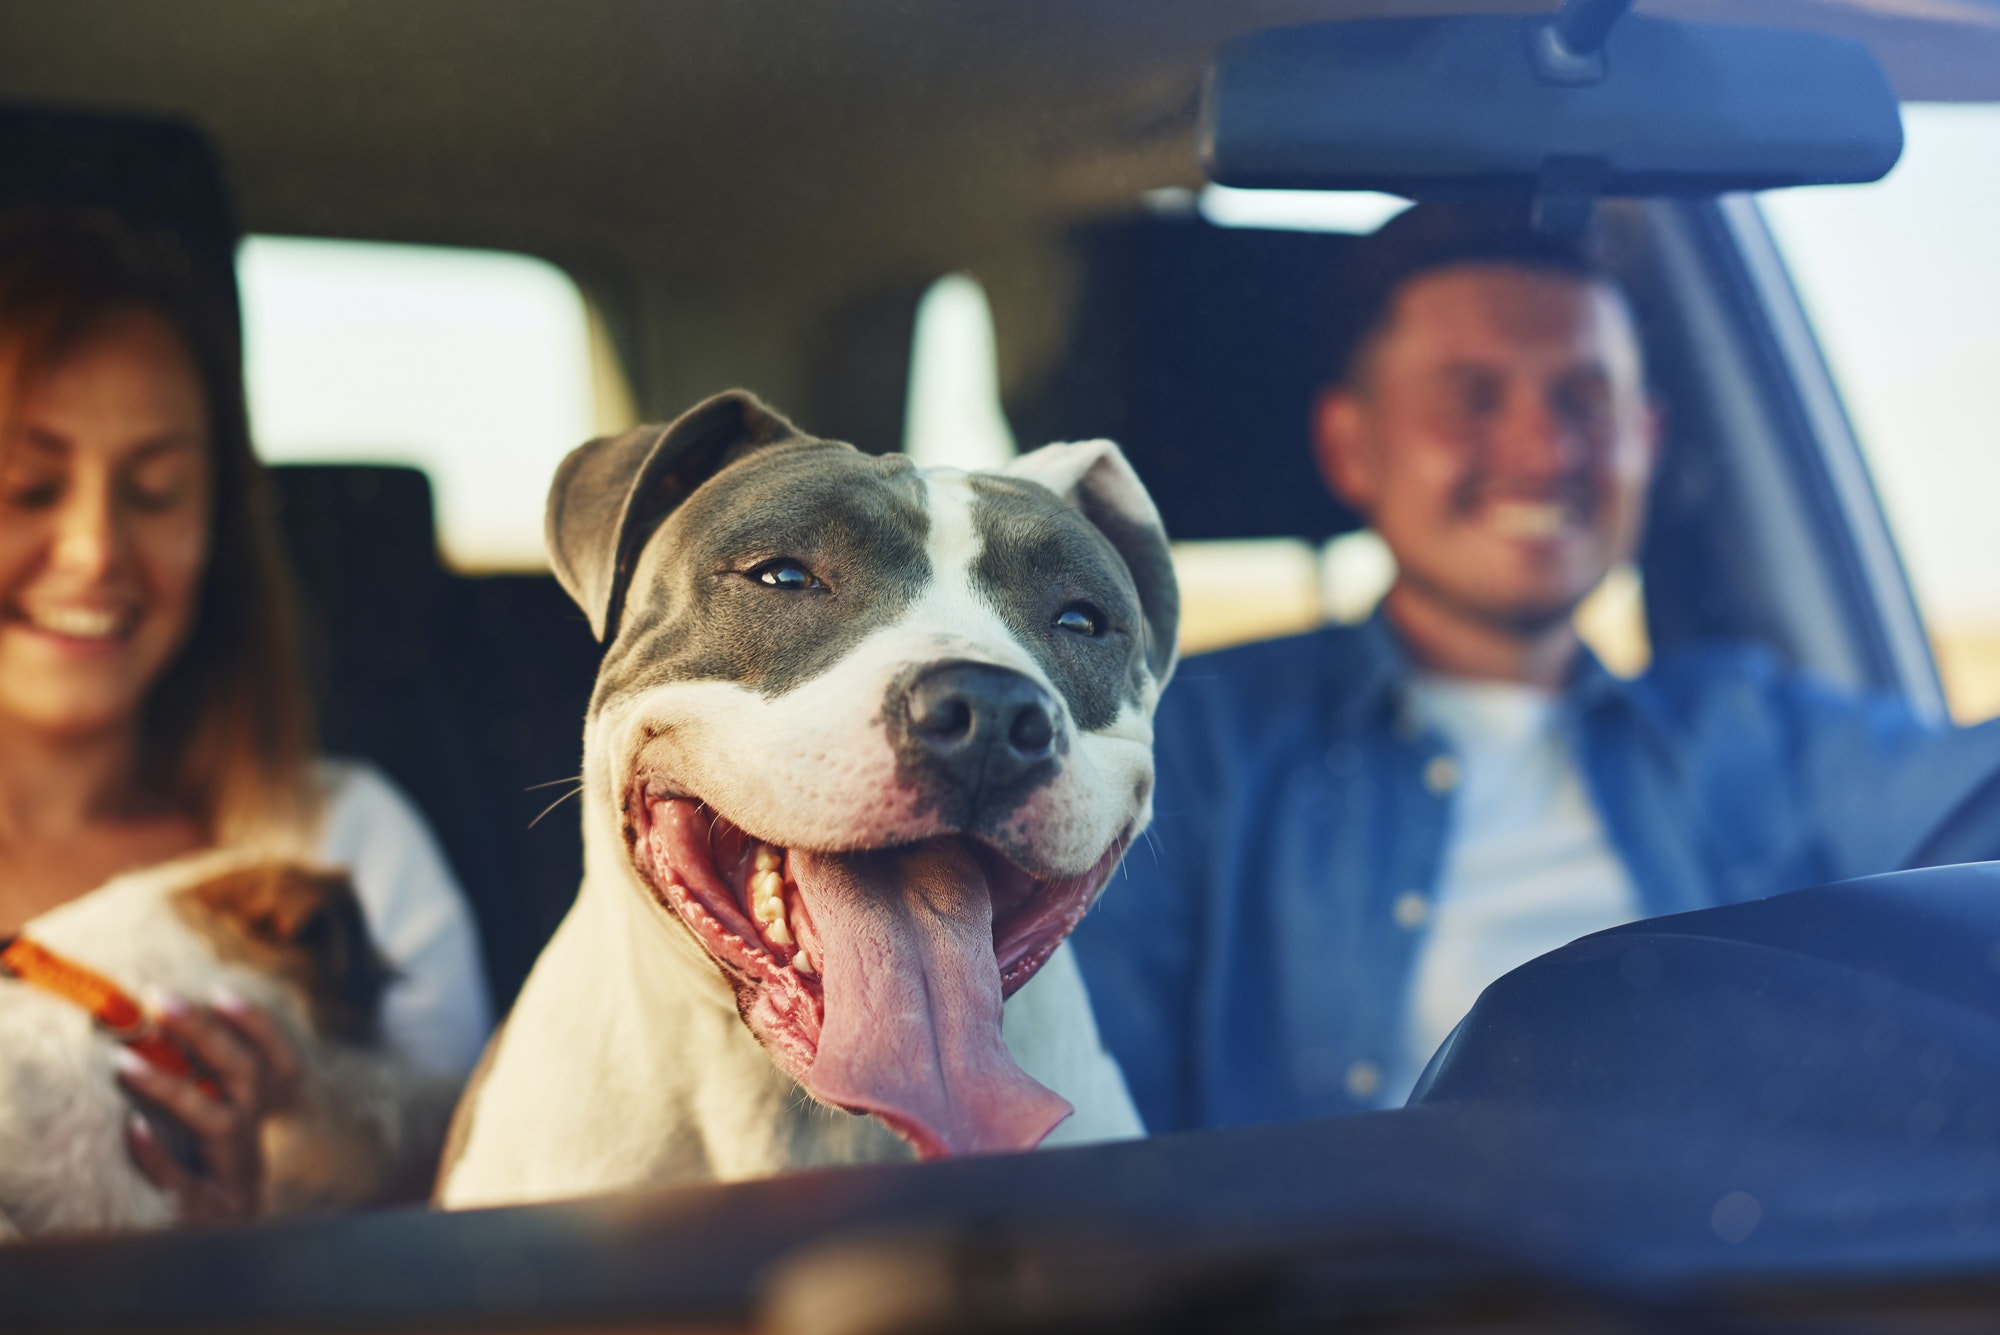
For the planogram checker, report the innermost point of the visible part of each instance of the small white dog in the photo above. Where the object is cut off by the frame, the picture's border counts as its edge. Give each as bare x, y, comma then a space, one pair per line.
286, 938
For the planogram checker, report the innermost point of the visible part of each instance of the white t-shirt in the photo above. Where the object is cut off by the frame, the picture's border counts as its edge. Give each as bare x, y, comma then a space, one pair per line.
435, 1011
1527, 866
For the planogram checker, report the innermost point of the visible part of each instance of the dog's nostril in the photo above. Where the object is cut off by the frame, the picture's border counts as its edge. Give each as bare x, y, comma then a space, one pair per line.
947, 719
1032, 731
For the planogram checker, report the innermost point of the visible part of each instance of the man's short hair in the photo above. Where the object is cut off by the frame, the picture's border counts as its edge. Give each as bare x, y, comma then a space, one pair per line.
1428, 237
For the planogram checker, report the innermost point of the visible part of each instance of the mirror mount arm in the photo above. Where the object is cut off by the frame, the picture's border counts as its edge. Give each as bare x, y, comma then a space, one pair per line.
1569, 49
1566, 195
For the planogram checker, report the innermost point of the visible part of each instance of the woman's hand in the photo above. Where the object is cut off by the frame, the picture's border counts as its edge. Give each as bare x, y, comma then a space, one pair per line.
256, 1071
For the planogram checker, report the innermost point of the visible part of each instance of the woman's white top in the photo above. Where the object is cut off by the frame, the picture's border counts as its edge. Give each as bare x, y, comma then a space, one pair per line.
435, 1012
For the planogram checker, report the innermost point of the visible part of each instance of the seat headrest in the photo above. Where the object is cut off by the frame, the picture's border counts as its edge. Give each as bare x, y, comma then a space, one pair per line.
158, 175
1200, 350
360, 524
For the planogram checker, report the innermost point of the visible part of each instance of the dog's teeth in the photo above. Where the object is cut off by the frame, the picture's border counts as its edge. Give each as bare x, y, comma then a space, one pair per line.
803, 962
766, 892
767, 904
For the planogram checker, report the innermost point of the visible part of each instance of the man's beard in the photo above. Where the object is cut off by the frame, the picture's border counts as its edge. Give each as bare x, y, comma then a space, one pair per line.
1527, 623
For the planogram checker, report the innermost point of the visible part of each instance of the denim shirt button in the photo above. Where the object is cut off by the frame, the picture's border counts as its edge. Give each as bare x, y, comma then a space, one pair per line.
1363, 1080
1441, 774
1411, 910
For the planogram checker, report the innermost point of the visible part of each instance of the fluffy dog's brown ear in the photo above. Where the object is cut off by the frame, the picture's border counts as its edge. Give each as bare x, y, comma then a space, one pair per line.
302, 924
609, 495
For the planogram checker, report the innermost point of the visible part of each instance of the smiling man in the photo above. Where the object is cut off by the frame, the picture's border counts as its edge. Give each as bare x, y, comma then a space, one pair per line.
1495, 429
1357, 830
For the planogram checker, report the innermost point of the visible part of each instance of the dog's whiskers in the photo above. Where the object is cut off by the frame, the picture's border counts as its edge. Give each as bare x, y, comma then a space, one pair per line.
567, 778
553, 805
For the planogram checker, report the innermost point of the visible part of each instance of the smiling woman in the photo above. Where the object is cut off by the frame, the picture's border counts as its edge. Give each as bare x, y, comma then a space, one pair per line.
152, 705
119, 418
124, 396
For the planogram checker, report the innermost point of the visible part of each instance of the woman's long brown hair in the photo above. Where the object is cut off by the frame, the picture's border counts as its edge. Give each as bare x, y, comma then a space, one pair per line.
226, 733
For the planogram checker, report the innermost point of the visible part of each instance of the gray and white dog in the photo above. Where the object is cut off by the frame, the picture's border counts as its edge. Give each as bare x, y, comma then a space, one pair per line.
866, 743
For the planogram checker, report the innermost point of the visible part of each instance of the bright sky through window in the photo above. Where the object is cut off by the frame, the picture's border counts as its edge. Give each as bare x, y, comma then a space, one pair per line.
953, 416
1902, 280
473, 365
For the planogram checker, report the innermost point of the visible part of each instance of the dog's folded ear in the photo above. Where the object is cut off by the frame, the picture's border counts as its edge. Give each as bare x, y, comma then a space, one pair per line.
301, 923
610, 494
1093, 475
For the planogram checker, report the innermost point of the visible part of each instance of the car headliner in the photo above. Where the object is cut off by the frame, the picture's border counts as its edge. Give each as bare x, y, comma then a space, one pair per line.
715, 173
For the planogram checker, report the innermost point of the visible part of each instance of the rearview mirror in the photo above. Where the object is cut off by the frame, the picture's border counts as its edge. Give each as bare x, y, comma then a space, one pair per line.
1461, 105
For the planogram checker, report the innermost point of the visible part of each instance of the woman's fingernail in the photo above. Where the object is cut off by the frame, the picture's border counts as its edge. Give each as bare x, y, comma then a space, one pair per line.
131, 1063
138, 1127
228, 999
170, 1004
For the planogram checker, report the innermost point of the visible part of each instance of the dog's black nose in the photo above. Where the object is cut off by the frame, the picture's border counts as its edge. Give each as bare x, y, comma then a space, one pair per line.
985, 727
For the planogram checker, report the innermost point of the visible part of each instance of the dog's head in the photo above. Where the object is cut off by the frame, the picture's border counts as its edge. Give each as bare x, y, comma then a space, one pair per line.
875, 736
302, 925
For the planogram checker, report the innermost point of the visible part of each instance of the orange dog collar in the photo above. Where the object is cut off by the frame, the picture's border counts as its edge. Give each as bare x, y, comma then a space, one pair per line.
115, 1009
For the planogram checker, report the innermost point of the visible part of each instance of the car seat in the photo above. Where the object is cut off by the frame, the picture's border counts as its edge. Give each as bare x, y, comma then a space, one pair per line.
159, 175
468, 690
1200, 350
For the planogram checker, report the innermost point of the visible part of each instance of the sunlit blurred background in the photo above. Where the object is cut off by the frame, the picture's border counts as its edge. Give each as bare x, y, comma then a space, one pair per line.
1902, 281
484, 369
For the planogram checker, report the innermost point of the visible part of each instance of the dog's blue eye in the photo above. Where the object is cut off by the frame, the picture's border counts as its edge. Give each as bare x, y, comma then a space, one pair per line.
787, 574
1078, 619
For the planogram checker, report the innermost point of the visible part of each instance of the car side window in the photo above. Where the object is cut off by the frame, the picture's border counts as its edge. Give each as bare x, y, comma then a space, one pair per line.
480, 367
1902, 283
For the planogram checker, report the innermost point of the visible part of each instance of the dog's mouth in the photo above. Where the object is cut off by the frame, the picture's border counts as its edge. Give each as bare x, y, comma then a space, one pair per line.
875, 978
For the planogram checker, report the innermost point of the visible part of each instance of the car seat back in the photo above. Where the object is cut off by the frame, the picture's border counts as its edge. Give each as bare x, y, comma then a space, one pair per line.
1200, 350
469, 691
158, 175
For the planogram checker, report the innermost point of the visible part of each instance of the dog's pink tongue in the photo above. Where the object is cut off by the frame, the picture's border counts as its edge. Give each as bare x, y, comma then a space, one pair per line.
912, 1027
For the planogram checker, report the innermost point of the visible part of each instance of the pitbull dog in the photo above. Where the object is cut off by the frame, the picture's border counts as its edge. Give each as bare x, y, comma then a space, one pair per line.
866, 743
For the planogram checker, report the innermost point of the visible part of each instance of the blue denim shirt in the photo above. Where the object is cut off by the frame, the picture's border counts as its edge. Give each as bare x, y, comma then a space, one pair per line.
1249, 964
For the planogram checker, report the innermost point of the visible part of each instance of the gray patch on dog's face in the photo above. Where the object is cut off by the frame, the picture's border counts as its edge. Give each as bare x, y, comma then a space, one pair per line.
696, 612
1037, 557
1148, 560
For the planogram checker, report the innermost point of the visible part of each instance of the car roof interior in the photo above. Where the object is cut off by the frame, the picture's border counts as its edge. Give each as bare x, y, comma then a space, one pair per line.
760, 194
746, 189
